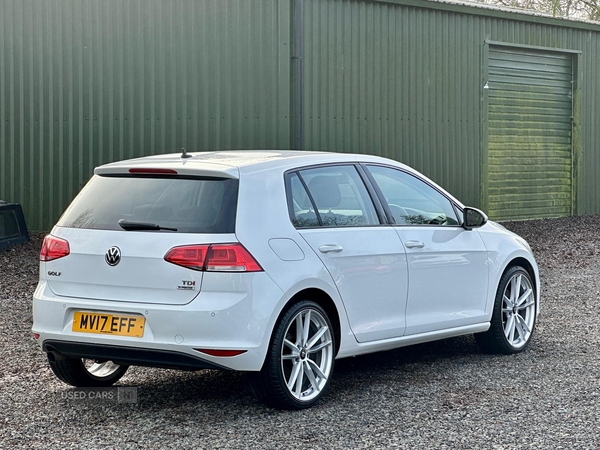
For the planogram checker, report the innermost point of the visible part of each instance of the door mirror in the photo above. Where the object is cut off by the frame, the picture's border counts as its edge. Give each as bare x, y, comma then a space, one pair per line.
473, 218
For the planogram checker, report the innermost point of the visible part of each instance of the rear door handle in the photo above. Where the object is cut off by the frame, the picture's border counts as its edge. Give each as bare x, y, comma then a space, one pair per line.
332, 248
414, 244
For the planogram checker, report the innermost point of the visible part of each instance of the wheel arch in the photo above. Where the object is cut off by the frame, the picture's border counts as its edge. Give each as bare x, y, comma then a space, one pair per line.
523, 262
503, 263
323, 299
495, 339
533, 273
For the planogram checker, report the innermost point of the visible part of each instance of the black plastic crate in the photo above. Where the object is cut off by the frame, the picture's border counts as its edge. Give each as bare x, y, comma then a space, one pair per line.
12, 225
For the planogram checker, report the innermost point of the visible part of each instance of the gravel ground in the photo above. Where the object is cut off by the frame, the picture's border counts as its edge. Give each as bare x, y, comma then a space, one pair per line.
443, 395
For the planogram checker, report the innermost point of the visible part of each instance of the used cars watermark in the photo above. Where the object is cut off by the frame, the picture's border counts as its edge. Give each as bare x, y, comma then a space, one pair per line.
110, 394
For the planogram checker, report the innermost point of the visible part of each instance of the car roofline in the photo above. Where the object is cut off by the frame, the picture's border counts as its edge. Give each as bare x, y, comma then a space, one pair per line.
234, 163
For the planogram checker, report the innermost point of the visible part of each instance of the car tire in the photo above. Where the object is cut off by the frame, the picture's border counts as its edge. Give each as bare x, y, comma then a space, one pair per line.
514, 315
80, 372
300, 360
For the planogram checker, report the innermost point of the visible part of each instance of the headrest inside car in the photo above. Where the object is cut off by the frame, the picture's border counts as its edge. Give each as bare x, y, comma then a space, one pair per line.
325, 191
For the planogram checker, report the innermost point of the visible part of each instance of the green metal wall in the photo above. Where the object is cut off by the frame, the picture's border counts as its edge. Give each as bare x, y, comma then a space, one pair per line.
85, 82
404, 79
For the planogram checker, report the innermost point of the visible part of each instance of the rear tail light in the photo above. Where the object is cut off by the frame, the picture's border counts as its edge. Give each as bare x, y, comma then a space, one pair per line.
54, 248
190, 256
230, 258
214, 258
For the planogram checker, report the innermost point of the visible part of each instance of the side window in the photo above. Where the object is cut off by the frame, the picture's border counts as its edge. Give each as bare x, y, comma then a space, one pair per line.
301, 210
412, 201
336, 197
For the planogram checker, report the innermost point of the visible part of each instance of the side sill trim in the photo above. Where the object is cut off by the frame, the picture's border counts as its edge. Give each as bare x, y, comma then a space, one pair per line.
404, 341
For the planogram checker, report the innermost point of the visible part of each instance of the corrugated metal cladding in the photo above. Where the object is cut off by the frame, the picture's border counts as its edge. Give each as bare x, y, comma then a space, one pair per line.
398, 82
85, 82
404, 79
529, 133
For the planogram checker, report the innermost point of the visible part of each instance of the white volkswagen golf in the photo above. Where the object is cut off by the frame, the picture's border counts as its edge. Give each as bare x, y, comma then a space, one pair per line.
271, 262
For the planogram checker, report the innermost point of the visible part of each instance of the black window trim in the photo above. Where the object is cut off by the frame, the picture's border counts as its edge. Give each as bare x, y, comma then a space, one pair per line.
375, 199
459, 211
290, 200
380, 196
310, 197
287, 176
386, 208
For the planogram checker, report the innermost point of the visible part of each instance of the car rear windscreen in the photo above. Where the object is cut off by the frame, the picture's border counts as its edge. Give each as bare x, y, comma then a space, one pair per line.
190, 205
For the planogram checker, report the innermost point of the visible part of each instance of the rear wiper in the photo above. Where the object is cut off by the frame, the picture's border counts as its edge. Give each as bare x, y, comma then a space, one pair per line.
141, 226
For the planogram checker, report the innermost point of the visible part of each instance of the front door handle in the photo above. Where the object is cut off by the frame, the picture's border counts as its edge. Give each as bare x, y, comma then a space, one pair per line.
414, 244
332, 248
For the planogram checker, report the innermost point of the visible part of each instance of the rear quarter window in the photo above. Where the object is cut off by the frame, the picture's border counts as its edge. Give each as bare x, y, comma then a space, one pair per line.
191, 205
336, 197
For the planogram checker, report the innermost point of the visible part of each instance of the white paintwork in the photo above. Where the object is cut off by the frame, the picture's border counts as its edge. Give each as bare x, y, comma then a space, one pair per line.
504, 246
368, 266
286, 249
204, 323
448, 278
451, 280
142, 275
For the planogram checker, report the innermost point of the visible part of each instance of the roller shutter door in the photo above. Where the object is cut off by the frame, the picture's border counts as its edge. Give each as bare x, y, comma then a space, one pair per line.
530, 106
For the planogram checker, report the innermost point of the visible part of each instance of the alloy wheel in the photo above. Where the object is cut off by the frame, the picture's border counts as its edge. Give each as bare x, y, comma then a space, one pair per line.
307, 354
100, 369
518, 310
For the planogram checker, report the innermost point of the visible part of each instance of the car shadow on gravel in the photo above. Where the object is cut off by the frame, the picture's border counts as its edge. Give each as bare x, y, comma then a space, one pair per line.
415, 366
228, 391
170, 388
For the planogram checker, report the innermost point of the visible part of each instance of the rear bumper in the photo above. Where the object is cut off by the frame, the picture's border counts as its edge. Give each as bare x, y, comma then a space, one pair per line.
129, 356
216, 320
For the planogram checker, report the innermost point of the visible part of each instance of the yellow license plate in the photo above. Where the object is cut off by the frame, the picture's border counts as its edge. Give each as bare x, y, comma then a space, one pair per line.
102, 323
